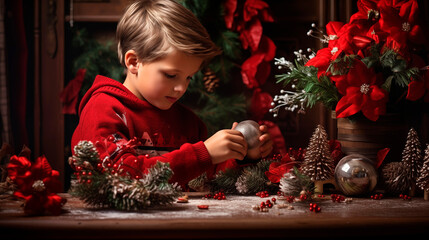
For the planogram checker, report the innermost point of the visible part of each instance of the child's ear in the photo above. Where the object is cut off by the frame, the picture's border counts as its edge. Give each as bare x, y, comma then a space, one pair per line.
131, 61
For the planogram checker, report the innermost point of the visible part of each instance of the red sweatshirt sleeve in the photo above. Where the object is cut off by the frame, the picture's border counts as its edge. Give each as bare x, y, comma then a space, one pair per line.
102, 120
187, 163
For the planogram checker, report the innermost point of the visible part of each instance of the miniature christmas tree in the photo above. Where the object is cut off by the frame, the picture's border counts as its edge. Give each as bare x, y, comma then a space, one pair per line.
423, 180
412, 157
318, 163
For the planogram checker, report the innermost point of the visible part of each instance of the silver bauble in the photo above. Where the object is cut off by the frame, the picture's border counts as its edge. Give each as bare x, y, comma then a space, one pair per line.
251, 133
355, 175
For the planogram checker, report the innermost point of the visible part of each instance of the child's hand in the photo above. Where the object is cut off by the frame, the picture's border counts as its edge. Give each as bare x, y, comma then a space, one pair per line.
226, 144
266, 142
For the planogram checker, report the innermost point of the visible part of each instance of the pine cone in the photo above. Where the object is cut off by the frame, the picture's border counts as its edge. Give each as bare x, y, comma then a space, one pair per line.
290, 185
211, 81
395, 178
85, 150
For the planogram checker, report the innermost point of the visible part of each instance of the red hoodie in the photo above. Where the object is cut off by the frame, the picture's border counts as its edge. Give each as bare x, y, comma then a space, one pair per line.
174, 135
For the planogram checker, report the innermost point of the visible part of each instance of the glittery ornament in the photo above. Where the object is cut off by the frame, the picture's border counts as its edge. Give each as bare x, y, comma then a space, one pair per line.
251, 133
355, 175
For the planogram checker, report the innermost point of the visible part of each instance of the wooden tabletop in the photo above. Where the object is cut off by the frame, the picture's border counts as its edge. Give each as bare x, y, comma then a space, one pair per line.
230, 218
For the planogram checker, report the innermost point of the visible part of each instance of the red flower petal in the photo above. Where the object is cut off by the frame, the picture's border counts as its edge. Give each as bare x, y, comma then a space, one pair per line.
377, 93
381, 155
416, 90
349, 105
41, 168
251, 36
53, 204
229, 7
249, 69
260, 103
277, 170
18, 167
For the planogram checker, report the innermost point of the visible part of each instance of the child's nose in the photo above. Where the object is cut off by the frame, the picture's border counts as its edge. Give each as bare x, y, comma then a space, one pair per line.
182, 86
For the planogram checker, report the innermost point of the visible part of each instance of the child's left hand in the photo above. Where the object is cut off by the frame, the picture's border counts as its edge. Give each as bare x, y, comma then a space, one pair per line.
266, 142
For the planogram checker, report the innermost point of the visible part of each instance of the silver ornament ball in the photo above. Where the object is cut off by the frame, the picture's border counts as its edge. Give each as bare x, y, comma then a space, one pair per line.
251, 133
355, 175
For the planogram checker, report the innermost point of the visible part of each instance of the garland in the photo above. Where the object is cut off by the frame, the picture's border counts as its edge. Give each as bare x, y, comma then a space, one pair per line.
251, 179
99, 184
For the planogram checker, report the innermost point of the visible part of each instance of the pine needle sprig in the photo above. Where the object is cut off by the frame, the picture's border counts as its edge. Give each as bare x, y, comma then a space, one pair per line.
307, 88
253, 179
225, 180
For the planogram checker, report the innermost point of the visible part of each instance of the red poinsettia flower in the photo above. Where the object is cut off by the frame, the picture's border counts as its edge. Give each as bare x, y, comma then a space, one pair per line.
367, 11
37, 184
401, 25
361, 92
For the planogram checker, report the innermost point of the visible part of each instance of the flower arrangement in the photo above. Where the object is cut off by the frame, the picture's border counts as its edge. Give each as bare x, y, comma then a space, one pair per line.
371, 65
36, 183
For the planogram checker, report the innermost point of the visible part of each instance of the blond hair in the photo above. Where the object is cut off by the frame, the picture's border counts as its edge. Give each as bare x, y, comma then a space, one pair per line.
154, 28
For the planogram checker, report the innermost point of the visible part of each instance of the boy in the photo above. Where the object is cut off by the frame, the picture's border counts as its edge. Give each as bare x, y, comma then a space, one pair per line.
162, 45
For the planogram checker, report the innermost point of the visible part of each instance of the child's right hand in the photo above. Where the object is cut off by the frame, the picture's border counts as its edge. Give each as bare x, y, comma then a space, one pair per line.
226, 144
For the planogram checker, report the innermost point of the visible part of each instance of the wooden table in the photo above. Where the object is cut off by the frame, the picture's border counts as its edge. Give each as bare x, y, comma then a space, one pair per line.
231, 218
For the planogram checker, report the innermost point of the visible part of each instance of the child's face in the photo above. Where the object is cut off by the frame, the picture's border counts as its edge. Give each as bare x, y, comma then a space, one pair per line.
163, 82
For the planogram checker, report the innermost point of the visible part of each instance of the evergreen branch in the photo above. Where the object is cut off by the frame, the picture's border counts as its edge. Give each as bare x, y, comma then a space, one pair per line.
98, 186
225, 180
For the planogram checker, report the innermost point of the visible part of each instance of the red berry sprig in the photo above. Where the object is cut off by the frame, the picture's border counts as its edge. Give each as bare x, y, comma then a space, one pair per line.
219, 196
263, 194
314, 208
377, 196
290, 199
405, 197
337, 198
267, 204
